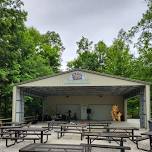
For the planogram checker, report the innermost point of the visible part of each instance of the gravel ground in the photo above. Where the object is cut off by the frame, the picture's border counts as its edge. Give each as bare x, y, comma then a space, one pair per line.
75, 139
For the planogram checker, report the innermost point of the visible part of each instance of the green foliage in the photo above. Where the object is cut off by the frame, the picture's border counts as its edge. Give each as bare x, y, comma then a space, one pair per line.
84, 45
133, 107
12, 19
30, 103
115, 59
24, 52
118, 60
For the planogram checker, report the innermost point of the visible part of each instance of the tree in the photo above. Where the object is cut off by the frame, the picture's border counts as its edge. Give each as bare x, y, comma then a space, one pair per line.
115, 59
52, 47
12, 19
118, 59
101, 51
84, 45
24, 52
87, 58
143, 33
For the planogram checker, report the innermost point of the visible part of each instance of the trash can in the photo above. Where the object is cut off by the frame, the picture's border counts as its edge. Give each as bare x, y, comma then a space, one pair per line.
150, 125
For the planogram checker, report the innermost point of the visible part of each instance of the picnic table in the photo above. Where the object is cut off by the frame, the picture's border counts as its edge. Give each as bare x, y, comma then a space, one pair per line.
149, 134
71, 128
128, 130
4, 120
15, 123
6, 128
108, 135
53, 123
52, 148
92, 124
77, 127
20, 131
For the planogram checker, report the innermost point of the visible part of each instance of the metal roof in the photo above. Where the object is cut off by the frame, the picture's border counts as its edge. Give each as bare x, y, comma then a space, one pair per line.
83, 90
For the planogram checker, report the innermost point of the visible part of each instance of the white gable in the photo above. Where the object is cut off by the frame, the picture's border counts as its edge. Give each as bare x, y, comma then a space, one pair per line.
81, 78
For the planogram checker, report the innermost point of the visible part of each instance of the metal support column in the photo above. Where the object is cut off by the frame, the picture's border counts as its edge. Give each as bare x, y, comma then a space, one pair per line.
142, 111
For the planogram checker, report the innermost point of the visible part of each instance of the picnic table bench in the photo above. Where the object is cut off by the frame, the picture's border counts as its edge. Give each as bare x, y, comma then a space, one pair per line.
52, 124
137, 140
71, 128
91, 136
15, 139
4, 129
129, 130
52, 148
25, 131
105, 138
23, 136
147, 135
61, 133
98, 124
67, 147
4, 120
20, 134
88, 147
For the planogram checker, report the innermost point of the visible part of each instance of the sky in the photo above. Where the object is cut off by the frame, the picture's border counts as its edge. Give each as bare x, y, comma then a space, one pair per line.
72, 19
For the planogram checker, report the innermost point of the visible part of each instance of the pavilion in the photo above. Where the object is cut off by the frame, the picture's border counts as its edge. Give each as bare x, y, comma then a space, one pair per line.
77, 90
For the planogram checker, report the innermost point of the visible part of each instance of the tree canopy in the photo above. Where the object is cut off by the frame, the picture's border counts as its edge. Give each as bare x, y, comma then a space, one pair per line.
24, 52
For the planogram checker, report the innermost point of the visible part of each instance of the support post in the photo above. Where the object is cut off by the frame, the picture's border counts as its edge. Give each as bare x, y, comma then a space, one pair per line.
17, 105
14, 104
22, 106
148, 105
143, 120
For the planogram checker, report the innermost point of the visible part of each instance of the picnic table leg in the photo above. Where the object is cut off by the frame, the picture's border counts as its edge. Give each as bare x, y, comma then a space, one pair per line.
132, 132
61, 130
108, 130
89, 127
1, 132
88, 140
150, 140
121, 144
41, 136
16, 135
48, 126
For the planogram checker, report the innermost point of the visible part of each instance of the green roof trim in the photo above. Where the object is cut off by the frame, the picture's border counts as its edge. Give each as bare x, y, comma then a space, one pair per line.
87, 71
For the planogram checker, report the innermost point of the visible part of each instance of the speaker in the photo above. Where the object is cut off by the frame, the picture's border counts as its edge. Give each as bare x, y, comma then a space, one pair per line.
88, 110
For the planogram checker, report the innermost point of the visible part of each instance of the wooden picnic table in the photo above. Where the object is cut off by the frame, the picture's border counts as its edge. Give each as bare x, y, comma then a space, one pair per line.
149, 134
128, 130
52, 148
19, 131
